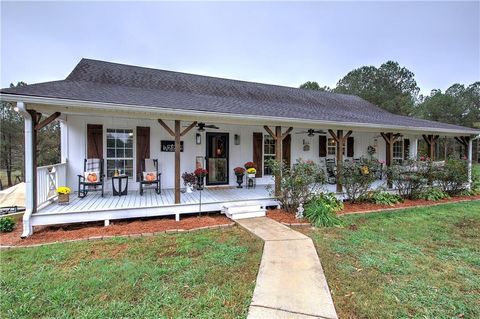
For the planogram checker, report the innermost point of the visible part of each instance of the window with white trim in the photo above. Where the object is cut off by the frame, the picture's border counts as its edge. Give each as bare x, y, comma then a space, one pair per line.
398, 152
331, 146
268, 153
120, 151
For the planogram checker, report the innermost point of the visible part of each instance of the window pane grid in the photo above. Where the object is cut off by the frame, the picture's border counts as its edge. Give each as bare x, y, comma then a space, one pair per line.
120, 151
268, 153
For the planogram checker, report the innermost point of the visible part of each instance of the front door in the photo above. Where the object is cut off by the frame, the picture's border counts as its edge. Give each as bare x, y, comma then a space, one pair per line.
217, 158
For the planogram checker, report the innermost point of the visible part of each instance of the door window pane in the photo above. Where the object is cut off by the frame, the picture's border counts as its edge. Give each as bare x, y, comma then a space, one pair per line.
120, 151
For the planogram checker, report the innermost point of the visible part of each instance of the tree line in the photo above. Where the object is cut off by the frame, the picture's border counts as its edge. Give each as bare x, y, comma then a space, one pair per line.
393, 88
12, 143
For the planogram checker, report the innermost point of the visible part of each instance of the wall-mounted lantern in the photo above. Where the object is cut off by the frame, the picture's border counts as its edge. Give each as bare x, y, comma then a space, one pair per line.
198, 138
236, 139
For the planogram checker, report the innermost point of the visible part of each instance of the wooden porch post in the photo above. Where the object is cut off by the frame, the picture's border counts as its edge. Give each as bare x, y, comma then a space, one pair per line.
390, 139
340, 140
431, 140
177, 134
278, 137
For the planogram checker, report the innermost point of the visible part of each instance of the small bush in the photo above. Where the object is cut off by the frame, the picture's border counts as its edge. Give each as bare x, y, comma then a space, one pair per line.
452, 178
357, 178
410, 179
7, 224
298, 184
433, 194
382, 198
321, 210
476, 179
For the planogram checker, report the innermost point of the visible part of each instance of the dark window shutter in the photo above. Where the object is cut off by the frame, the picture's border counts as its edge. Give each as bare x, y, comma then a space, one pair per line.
286, 150
406, 149
143, 147
350, 146
258, 153
94, 141
322, 146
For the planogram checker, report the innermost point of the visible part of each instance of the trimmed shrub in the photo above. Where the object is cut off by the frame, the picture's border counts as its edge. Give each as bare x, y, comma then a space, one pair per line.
433, 194
7, 224
452, 178
298, 183
358, 178
321, 210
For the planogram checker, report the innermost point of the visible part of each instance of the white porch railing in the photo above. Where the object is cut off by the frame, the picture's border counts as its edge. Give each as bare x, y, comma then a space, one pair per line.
48, 179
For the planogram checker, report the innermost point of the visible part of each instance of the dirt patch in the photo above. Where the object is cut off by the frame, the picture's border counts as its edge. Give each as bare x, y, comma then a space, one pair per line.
46, 234
283, 217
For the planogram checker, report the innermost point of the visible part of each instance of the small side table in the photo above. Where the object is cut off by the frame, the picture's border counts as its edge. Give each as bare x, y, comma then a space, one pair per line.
122, 182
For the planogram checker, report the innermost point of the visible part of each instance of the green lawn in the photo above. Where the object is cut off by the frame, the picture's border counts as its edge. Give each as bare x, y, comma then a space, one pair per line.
420, 263
203, 274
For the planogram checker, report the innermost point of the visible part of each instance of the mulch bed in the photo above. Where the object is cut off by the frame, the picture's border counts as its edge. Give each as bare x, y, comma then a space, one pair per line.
48, 234
350, 208
282, 216
289, 218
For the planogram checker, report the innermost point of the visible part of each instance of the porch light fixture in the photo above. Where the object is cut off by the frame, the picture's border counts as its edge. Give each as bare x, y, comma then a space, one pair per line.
198, 138
236, 139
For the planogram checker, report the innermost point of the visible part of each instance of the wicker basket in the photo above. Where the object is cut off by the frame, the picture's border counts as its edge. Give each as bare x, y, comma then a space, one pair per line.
63, 199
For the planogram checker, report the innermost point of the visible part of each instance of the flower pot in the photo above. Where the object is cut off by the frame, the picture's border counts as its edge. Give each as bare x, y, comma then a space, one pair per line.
240, 180
251, 175
63, 199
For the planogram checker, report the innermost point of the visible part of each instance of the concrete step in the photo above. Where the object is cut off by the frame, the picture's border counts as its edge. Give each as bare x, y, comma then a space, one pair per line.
241, 211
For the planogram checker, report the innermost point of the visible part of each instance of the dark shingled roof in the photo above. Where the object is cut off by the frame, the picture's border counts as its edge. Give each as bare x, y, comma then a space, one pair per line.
99, 81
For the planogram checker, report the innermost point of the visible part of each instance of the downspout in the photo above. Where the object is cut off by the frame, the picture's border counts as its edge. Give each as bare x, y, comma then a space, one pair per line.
470, 159
30, 201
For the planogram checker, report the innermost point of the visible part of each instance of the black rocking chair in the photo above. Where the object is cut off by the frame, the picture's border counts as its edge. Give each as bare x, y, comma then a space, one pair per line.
84, 184
149, 167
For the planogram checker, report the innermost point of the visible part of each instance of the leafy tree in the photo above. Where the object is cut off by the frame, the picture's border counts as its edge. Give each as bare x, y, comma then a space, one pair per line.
458, 105
11, 135
12, 148
312, 85
390, 86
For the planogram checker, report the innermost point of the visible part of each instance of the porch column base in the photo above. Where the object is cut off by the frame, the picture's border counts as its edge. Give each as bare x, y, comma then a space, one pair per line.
177, 217
106, 222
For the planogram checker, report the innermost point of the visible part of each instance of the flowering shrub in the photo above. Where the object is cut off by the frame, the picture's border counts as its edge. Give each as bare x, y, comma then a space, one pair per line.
357, 178
411, 178
239, 170
200, 172
189, 178
298, 184
252, 170
63, 190
452, 178
250, 165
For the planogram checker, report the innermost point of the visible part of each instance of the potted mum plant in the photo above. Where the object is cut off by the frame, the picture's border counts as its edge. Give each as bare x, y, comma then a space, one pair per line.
63, 193
189, 180
200, 173
239, 172
251, 169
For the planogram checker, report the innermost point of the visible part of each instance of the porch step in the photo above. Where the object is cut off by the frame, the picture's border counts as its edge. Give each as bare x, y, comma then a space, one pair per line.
244, 210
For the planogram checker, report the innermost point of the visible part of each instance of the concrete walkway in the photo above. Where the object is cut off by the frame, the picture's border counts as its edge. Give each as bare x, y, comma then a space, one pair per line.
290, 282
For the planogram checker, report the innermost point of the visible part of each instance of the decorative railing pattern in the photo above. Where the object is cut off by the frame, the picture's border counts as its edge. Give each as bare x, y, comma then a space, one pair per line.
48, 179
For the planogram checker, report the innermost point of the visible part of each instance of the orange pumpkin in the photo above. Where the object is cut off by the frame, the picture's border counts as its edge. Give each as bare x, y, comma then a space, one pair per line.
92, 177
150, 177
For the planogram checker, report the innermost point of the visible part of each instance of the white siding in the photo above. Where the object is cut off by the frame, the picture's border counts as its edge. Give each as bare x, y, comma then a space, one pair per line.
239, 154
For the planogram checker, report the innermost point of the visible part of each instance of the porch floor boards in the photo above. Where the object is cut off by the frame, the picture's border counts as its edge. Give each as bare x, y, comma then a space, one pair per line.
95, 202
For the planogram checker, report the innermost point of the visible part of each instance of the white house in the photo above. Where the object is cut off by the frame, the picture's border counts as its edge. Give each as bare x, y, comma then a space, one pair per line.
125, 114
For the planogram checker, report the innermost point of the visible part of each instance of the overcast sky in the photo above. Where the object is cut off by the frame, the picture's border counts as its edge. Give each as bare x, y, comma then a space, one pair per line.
279, 43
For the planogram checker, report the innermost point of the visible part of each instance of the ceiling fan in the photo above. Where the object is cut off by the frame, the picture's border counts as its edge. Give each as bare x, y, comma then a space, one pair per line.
202, 126
311, 132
